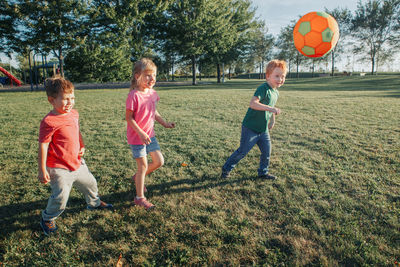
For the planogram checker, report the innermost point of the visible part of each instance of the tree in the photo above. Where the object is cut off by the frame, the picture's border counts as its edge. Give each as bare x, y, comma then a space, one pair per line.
206, 29
236, 36
286, 49
343, 17
118, 32
375, 27
125, 24
7, 27
262, 48
114, 38
94, 63
51, 26
185, 25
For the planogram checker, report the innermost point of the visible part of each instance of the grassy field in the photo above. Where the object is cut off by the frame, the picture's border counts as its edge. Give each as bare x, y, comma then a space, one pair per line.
336, 151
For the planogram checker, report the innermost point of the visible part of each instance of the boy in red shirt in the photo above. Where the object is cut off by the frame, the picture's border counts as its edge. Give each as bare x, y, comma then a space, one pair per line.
60, 155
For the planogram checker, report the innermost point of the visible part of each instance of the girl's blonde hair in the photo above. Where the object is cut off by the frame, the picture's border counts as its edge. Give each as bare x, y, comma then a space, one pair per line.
273, 64
145, 64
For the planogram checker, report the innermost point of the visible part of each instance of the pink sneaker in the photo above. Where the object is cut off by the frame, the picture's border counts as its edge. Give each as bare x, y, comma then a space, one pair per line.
144, 203
144, 187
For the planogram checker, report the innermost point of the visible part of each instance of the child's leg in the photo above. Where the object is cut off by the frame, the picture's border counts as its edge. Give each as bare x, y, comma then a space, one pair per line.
264, 143
157, 160
87, 185
61, 183
140, 174
247, 140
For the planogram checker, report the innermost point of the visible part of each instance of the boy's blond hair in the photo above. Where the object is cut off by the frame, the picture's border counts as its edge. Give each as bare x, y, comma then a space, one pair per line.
145, 64
273, 64
57, 85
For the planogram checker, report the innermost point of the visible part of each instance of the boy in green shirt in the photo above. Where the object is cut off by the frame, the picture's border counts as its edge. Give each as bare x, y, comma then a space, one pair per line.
259, 119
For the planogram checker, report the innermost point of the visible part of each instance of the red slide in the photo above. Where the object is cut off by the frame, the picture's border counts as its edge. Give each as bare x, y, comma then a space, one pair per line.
9, 75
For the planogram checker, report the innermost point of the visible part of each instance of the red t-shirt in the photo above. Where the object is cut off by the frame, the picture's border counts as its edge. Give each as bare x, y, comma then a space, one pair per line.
62, 132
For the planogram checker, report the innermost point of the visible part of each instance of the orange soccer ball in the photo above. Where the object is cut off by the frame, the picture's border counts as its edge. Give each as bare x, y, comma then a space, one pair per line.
315, 34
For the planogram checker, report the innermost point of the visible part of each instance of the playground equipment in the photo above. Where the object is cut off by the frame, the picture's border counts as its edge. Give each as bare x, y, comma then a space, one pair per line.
12, 78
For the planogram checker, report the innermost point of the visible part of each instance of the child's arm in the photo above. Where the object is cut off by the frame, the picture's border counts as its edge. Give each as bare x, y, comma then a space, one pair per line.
271, 122
161, 121
82, 145
256, 105
43, 175
132, 123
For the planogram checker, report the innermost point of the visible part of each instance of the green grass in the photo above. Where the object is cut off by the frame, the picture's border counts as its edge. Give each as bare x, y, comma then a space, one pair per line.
336, 151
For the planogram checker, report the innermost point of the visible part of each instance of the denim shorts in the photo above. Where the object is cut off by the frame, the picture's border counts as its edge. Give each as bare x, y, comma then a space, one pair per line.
140, 151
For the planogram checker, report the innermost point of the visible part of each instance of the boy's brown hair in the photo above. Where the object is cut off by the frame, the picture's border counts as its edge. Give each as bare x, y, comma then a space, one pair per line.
273, 64
57, 85
145, 64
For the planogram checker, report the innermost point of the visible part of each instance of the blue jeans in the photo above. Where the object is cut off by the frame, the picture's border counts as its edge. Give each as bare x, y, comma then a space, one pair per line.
140, 151
247, 140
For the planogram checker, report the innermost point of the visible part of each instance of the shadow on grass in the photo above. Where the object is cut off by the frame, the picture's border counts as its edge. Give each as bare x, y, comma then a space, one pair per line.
26, 215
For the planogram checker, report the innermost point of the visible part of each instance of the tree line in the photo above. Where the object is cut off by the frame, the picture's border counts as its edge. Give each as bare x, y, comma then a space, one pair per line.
98, 40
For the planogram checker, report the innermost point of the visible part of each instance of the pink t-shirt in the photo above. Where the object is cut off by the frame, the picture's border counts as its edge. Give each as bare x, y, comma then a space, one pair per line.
143, 105
62, 134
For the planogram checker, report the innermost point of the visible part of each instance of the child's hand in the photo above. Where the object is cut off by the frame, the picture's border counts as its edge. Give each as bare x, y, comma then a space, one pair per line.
271, 122
44, 177
271, 125
81, 152
276, 111
144, 138
170, 125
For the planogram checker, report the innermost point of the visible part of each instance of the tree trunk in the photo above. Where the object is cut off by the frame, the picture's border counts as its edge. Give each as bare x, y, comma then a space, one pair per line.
193, 70
313, 65
172, 70
223, 72
61, 61
373, 66
218, 73
333, 63
35, 71
30, 71
47, 71
199, 72
263, 70
373, 56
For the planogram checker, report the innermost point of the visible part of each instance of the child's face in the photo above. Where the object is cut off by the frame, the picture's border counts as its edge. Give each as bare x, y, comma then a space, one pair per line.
147, 79
63, 103
277, 78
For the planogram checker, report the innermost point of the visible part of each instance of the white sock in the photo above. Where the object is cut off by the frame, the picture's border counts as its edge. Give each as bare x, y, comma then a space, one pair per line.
139, 197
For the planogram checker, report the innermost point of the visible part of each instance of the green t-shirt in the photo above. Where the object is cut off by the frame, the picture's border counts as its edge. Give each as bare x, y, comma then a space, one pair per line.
257, 120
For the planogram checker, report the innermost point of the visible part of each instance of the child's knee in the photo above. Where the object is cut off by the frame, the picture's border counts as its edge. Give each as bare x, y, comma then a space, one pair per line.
157, 159
160, 162
142, 164
142, 168
58, 200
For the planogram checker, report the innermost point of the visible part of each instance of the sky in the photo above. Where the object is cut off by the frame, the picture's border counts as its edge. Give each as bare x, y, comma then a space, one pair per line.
279, 13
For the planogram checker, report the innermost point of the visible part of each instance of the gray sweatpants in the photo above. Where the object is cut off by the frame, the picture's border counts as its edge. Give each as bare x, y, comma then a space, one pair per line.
61, 181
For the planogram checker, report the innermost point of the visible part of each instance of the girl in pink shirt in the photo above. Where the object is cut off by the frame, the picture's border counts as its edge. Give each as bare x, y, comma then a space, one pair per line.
140, 115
